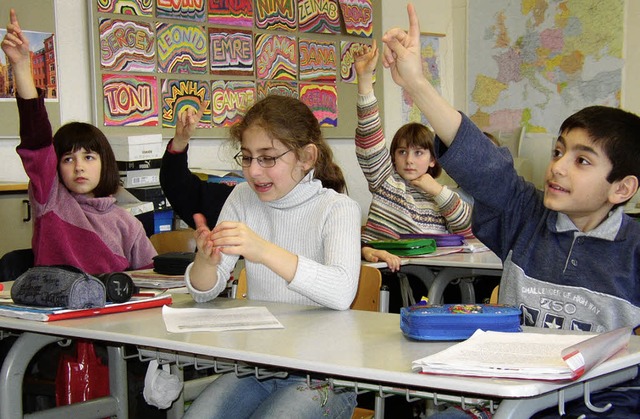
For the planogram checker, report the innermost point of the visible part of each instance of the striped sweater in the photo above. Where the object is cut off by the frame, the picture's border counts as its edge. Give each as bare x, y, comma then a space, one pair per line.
397, 207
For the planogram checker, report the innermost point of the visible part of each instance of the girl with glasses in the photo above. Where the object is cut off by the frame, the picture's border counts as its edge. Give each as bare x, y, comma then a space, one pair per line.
299, 235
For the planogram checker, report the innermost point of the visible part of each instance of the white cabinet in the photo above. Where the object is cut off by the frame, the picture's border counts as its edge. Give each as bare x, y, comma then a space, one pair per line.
16, 220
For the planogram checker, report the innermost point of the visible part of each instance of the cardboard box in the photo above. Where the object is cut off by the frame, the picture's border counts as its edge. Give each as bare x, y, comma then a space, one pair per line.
137, 147
139, 164
138, 178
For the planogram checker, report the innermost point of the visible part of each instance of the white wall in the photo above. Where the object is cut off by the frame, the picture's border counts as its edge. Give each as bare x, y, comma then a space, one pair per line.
439, 16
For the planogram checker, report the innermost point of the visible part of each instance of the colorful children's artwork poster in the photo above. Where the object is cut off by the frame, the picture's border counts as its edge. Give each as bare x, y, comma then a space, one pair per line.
276, 57
276, 15
43, 66
231, 12
230, 51
318, 61
193, 10
347, 52
130, 100
323, 101
127, 45
230, 99
126, 7
180, 95
432, 68
358, 17
319, 16
275, 87
181, 48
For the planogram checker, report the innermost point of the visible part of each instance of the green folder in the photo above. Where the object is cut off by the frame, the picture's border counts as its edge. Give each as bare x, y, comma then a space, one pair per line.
405, 247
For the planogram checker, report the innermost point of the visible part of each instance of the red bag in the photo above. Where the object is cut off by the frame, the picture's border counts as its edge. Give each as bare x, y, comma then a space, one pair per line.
81, 378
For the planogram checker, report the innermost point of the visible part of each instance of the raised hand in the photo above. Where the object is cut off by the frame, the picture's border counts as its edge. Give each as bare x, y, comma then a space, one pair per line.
365, 63
402, 52
402, 57
186, 126
15, 45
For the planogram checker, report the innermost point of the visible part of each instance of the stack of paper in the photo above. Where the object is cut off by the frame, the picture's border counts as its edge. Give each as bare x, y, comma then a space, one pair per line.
539, 356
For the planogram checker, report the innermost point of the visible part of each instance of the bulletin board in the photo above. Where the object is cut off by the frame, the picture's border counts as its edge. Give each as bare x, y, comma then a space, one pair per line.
153, 58
36, 16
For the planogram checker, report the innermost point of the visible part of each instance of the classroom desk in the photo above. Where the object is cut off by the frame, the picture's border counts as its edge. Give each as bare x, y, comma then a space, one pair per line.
451, 267
358, 349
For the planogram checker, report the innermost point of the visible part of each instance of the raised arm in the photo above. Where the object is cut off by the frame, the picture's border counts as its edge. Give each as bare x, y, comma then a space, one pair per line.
185, 127
187, 193
16, 47
365, 64
402, 57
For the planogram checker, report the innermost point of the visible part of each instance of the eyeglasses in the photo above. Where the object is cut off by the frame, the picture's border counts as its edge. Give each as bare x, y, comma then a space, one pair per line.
263, 161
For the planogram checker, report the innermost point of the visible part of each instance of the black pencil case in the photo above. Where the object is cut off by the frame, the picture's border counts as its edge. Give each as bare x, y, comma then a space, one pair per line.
456, 321
173, 263
58, 286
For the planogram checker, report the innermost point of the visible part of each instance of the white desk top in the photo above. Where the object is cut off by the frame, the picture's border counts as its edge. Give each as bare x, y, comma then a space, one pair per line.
350, 344
479, 260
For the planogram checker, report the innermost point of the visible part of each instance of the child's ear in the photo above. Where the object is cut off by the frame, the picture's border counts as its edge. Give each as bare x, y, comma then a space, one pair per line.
309, 156
623, 190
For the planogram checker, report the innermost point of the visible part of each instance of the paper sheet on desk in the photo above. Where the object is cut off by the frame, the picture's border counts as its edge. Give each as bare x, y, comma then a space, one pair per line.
180, 320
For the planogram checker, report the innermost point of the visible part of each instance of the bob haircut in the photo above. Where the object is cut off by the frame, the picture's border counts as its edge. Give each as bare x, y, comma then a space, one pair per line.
76, 135
416, 135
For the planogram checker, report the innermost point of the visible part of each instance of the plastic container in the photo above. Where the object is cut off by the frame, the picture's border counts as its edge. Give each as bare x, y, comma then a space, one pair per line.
456, 321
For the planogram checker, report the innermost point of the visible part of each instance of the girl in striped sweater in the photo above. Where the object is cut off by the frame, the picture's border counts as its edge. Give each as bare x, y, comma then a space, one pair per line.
407, 198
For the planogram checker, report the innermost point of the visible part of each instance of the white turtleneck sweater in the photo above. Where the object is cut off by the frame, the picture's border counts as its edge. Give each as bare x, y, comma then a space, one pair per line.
319, 225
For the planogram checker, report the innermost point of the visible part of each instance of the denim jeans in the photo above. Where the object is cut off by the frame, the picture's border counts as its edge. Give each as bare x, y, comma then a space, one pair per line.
247, 397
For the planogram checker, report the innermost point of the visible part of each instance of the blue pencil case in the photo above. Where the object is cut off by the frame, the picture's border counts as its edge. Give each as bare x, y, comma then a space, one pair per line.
456, 321
442, 240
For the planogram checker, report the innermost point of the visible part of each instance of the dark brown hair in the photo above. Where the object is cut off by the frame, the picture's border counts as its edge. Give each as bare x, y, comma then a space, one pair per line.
416, 135
616, 131
76, 135
292, 123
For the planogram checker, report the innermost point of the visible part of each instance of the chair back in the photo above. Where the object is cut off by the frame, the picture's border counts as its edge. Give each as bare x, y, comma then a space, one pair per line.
494, 295
367, 296
174, 241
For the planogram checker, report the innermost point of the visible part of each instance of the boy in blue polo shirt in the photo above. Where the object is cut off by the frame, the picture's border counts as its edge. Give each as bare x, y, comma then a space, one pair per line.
571, 256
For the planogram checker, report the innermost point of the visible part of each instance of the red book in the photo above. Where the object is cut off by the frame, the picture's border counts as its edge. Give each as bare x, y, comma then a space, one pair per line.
45, 314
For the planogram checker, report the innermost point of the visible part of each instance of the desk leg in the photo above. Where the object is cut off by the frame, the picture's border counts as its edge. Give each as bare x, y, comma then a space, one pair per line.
13, 370
118, 384
526, 407
446, 275
15, 366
